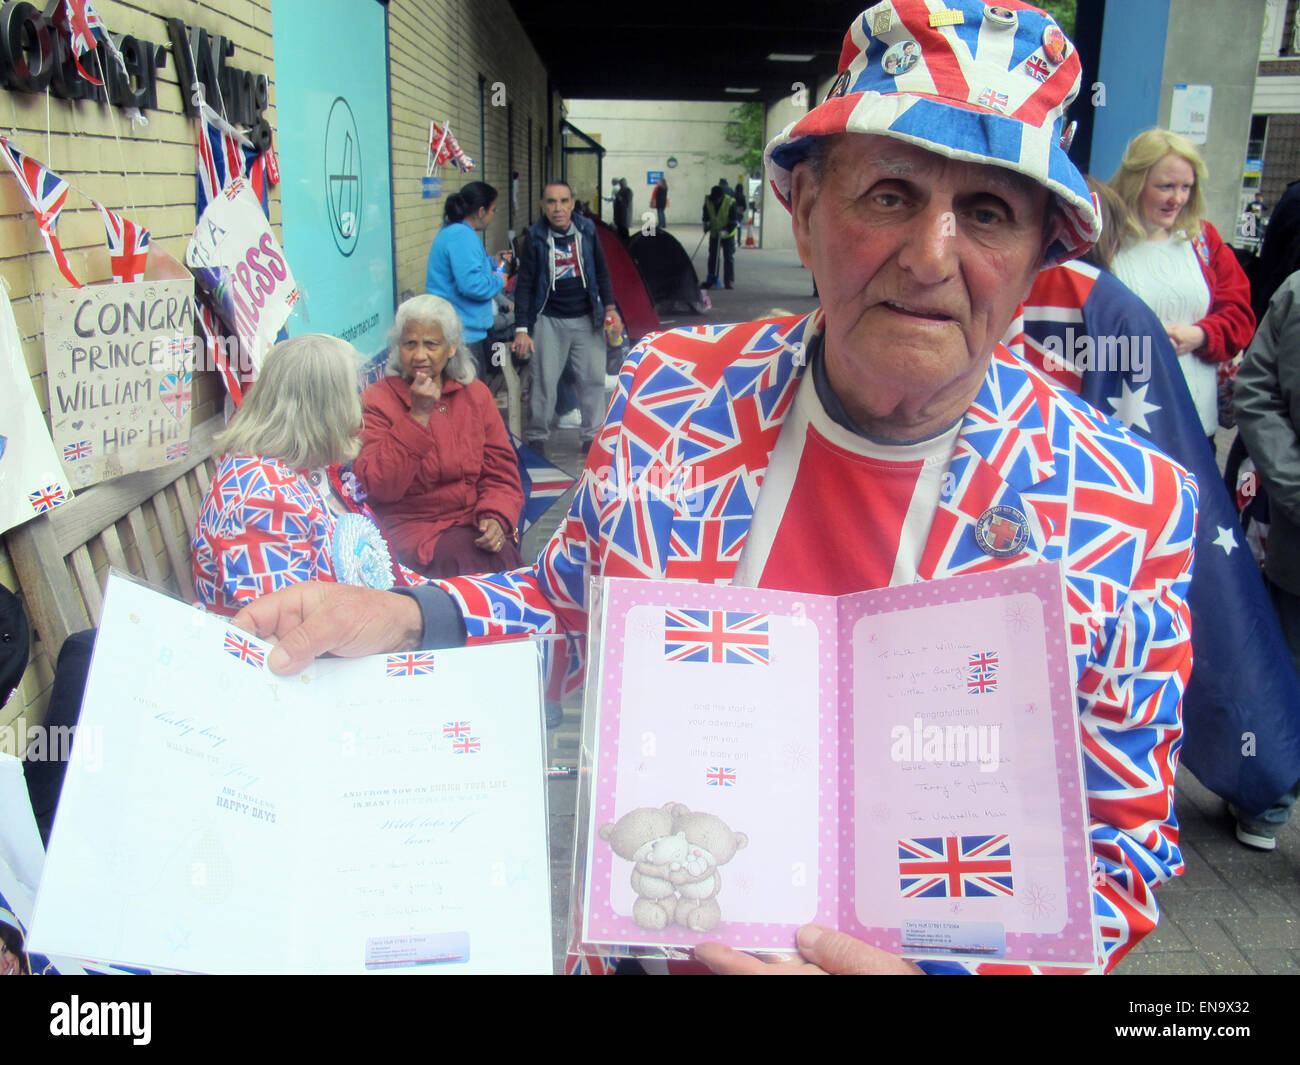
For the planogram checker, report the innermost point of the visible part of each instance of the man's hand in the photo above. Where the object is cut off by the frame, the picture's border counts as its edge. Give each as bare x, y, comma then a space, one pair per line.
1186, 338
316, 618
493, 537
425, 393
522, 345
616, 319
823, 953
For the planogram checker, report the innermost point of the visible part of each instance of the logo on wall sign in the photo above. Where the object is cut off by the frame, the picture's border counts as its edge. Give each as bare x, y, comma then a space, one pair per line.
343, 176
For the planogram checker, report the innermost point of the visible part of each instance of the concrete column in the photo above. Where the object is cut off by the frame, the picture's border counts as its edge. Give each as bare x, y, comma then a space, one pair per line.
1212, 43
776, 220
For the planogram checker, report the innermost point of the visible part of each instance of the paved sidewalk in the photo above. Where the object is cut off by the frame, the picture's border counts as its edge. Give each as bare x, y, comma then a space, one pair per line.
1235, 910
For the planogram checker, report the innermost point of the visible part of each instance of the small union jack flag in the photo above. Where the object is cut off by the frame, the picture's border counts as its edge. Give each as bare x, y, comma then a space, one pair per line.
466, 745
410, 665
46, 498
1037, 67
997, 101
720, 777
85, 27
444, 148
72, 452
234, 189
177, 451
955, 867
128, 245
981, 673
716, 636
180, 351
46, 192
292, 298
454, 730
243, 648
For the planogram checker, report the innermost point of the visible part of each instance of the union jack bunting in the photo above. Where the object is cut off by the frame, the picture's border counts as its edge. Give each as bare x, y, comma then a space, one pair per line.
444, 148
224, 156
46, 498
85, 27
418, 664
716, 636
454, 730
72, 452
955, 867
177, 451
240, 646
128, 245
467, 745
720, 777
46, 192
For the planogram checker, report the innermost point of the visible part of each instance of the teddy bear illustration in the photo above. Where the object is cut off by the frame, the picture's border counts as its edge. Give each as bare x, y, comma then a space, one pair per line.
711, 843
676, 854
645, 838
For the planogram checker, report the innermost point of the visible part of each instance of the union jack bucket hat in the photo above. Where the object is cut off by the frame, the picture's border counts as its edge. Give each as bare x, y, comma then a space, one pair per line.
982, 83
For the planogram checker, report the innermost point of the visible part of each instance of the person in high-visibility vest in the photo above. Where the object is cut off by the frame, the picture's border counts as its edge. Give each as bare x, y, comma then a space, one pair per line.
719, 222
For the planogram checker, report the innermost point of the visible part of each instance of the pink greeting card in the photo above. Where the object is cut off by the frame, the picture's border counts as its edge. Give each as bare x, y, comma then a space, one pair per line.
900, 764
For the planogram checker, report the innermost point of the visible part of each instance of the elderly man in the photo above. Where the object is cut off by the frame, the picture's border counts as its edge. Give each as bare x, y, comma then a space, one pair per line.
889, 437
562, 294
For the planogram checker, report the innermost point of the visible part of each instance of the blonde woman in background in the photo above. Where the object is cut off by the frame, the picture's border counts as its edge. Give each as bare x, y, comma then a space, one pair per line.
1177, 263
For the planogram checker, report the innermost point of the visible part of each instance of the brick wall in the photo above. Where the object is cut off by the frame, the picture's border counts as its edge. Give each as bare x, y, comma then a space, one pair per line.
438, 49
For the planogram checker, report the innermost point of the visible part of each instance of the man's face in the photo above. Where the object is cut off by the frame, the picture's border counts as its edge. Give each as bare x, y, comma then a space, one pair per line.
920, 263
557, 205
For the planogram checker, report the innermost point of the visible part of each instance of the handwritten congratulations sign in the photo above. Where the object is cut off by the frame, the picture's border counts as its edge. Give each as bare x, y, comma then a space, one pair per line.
241, 268
120, 362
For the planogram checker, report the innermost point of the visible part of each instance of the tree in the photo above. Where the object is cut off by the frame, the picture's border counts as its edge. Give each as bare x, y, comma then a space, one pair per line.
745, 134
1063, 11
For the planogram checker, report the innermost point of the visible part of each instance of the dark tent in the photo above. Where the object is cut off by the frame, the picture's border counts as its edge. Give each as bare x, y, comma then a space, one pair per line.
667, 271
630, 289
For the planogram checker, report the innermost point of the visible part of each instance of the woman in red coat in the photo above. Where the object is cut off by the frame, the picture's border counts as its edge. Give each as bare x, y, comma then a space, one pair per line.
435, 462
1177, 263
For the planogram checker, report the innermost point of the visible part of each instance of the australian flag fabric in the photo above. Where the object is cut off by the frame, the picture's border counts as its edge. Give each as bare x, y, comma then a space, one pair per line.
1241, 712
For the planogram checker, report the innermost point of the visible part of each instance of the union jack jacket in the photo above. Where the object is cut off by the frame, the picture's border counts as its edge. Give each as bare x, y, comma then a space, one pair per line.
669, 491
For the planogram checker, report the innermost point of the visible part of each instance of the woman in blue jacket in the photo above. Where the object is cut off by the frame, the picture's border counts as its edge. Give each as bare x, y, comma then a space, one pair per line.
461, 272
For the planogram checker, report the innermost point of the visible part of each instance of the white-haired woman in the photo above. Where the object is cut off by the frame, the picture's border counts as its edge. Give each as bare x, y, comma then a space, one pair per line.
435, 462
273, 515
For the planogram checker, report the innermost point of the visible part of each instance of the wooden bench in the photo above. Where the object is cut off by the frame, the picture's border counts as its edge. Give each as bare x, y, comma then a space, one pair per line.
56, 554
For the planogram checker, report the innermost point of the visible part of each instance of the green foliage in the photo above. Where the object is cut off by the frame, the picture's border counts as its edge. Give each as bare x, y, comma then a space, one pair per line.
745, 135
1063, 11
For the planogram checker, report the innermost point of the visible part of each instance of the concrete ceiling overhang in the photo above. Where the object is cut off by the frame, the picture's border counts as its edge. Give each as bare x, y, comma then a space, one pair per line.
677, 50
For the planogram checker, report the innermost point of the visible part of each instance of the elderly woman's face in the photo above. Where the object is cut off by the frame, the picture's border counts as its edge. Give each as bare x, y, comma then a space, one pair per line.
424, 350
